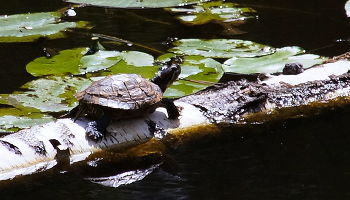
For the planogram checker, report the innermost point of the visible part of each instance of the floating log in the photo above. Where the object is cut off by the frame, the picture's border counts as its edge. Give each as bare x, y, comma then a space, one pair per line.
63, 142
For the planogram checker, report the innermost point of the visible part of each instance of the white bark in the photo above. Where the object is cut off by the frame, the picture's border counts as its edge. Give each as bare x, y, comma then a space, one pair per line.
35, 152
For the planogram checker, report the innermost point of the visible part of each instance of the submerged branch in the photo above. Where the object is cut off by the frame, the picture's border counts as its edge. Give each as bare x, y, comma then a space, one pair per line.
129, 43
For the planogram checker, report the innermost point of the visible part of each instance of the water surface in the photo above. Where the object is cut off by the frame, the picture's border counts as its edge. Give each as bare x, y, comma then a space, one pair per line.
295, 159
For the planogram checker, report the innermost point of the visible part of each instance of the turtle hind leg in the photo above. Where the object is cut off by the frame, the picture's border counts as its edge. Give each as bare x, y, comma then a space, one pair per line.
173, 112
96, 130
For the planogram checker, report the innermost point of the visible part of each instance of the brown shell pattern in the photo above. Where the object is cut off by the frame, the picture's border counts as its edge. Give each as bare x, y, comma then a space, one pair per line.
121, 91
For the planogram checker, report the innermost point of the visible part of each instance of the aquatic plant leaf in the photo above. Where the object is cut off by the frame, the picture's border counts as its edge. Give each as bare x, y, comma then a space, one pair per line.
29, 27
15, 122
99, 61
52, 94
67, 61
220, 48
271, 63
20, 117
136, 3
137, 58
73, 61
216, 11
135, 62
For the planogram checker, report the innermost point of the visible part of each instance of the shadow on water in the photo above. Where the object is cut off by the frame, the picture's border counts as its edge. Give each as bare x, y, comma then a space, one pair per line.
296, 159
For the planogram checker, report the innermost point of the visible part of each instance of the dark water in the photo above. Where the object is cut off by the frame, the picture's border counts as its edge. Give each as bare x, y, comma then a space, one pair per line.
295, 159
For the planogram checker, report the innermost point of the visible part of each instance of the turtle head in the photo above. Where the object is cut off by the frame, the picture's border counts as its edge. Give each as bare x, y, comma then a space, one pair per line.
168, 73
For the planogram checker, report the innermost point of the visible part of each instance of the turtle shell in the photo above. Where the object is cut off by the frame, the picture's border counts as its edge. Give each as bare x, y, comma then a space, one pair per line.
121, 91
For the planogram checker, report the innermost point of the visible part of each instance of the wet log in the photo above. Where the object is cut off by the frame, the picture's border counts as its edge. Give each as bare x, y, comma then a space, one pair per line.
63, 142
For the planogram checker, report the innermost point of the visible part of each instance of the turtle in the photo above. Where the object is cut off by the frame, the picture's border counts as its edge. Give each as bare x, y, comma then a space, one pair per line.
122, 96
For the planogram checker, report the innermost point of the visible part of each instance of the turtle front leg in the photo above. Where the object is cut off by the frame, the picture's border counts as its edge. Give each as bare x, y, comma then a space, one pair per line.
96, 130
173, 112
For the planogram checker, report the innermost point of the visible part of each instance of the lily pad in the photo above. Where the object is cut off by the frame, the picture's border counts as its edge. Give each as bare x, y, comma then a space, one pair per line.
136, 3
73, 61
67, 61
29, 27
47, 95
16, 118
220, 48
216, 11
135, 62
99, 61
12, 122
138, 59
271, 63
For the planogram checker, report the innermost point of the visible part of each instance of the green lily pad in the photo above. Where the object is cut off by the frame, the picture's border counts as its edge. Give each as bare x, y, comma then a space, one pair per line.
135, 62
29, 27
271, 63
13, 122
16, 118
99, 61
66, 62
216, 11
138, 59
53, 94
73, 61
47, 95
220, 48
201, 68
135, 3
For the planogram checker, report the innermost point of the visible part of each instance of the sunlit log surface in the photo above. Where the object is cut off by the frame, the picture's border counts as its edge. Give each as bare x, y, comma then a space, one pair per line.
42, 147
63, 141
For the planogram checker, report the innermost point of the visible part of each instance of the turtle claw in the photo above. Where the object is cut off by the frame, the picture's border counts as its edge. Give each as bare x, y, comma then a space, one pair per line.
93, 132
96, 130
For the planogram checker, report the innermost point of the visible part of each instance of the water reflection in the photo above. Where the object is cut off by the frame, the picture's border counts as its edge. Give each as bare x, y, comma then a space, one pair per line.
297, 159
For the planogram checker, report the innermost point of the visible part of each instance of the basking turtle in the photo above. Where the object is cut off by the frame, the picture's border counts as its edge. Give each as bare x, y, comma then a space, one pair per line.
125, 96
